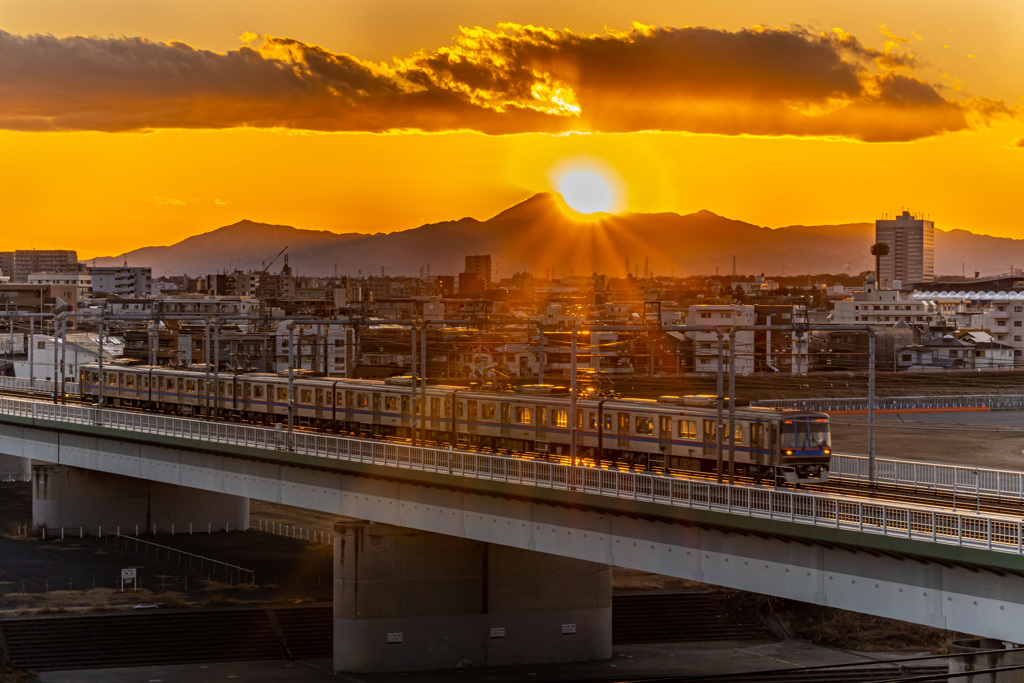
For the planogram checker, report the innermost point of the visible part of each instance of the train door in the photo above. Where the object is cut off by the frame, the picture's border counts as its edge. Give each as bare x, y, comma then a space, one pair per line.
376, 409
471, 417
757, 442
710, 437
623, 432
506, 419
664, 442
318, 402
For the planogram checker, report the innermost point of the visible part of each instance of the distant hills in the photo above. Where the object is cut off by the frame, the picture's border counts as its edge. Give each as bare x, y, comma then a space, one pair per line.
542, 237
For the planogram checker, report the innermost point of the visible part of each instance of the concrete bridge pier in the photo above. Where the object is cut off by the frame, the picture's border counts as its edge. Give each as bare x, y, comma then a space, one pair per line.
407, 600
71, 497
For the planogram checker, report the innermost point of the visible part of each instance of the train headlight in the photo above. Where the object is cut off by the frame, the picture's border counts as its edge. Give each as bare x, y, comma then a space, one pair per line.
828, 451
789, 451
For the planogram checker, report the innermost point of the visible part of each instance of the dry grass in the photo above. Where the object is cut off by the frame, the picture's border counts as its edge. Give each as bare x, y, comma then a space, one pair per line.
173, 600
830, 627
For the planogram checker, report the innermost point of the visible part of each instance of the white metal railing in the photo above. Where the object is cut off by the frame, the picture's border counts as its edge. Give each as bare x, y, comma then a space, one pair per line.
930, 476
919, 523
39, 386
953, 401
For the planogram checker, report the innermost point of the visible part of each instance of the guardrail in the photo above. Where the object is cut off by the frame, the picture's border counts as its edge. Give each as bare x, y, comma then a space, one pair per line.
924, 524
990, 401
930, 476
39, 386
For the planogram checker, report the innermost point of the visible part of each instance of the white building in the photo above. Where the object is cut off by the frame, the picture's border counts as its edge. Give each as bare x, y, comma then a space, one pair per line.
911, 257
122, 281
82, 347
312, 344
81, 280
1001, 314
884, 308
705, 344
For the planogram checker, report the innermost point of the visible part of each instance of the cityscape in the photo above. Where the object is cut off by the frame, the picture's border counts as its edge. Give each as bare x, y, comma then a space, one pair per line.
510, 342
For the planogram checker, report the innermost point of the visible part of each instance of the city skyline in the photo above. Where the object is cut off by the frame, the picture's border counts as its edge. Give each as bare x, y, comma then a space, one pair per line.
173, 120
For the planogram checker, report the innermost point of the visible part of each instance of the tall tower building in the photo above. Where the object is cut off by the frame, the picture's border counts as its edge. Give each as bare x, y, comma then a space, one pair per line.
911, 256
480, 265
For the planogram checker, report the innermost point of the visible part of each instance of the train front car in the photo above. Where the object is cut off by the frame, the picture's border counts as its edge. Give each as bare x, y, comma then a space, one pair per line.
804, 448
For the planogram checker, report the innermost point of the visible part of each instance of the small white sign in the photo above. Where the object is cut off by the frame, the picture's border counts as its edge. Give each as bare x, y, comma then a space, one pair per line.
498, 632
568, 628
394, 638
128, 574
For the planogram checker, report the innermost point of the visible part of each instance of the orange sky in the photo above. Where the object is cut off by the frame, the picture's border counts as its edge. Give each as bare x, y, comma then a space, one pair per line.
127, 124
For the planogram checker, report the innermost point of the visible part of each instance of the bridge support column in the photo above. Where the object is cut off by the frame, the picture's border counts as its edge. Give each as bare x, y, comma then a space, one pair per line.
407, 600
70, 497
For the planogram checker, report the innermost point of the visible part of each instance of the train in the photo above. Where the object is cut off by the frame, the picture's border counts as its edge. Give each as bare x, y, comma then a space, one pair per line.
663, 434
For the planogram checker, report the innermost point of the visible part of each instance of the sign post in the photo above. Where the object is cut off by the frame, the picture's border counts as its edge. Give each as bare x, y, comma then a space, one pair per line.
129, 575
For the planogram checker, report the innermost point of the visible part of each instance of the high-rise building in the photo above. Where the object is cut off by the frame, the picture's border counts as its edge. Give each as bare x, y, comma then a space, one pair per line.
911, 257
18, 265
480, 265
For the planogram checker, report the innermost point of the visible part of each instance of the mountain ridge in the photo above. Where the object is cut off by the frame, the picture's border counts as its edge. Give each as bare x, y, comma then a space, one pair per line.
540, 235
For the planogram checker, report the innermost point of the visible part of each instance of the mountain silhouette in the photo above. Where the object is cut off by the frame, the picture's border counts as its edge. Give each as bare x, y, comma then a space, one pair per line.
542, 236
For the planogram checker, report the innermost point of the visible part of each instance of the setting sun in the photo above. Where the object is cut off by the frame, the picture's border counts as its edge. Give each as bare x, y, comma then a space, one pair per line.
586, 191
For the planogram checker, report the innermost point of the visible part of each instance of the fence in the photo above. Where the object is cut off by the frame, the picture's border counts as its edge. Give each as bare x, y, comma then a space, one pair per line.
999, 533
36, 385
990, 401
930, 476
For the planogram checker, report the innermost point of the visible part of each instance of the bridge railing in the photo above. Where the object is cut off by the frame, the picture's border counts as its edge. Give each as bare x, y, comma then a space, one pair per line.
839, 404
929, 476
949, 527
39, 386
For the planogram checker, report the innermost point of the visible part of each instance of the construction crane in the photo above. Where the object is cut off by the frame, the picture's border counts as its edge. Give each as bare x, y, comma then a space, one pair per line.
270, 261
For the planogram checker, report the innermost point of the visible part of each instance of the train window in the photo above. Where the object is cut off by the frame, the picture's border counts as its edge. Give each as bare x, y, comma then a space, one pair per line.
644, 425
579, 419
145, 383
688, 429
665, 426
405, 405
376, 403
362, 400
221, 389
418, 406
390, 403
328, 398
319, 397
111, 379
202, 386
710, 433
350, 399
542, 416
460, 408
506, 413
306, 396
523, 416
181, 384
129, 381
472, 409
488, 411
623, 423
257, 391
608, 422
435, 406
737, 434
757, 434
231, 390
560, 418
190, 386
447, 407
282, 393
341, 398
248, 390
592, 422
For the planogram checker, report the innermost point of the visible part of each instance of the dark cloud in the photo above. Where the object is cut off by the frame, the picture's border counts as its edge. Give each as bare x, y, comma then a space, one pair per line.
512, 79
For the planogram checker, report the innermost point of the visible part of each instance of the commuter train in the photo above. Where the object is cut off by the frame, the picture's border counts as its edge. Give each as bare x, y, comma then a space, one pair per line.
679, 433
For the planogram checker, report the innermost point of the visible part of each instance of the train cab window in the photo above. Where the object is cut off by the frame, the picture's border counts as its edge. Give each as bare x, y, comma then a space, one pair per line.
688, 429
592, 421
560, 418
190, 386
306, 396
644, 425
523, 416
435, 406
319, 397
623, 423
488, 411
405, 405
362, 400
608, 422
390, 403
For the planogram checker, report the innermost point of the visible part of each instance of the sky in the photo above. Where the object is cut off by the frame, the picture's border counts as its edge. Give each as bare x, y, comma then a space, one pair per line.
126, 124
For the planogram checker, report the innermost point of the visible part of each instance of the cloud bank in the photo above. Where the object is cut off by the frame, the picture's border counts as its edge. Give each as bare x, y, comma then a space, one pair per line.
513, 79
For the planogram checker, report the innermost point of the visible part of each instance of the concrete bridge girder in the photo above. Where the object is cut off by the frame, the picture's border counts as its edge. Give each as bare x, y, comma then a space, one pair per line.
680, 542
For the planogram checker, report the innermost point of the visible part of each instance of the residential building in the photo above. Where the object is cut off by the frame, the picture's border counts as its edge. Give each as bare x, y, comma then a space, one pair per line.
706, 343
884, 308
83, 281
23, 262
122, 281
480, 265
911, 257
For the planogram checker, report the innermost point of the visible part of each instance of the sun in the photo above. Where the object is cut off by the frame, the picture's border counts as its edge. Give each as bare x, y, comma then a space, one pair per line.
586, 191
